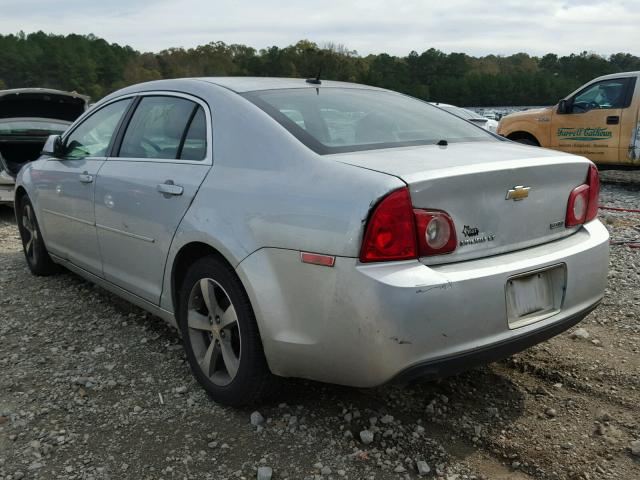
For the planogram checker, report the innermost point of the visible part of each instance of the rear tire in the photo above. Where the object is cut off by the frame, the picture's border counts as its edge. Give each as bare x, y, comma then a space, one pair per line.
220, 335
35, 251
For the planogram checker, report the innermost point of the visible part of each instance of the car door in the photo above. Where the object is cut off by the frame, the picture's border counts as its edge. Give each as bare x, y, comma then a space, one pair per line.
66, 187
145, 188
591, 127
630, 127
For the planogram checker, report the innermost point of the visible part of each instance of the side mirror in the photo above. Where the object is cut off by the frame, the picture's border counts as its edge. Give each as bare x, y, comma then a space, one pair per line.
564, 106
53, 146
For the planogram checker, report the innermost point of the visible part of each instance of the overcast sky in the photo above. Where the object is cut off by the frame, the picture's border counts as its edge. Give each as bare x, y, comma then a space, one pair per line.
368, 26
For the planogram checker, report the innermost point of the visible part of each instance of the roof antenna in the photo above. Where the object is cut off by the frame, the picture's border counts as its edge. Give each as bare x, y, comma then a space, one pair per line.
315, 81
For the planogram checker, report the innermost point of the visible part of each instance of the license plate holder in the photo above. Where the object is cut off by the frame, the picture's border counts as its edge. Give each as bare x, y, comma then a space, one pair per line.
534, 296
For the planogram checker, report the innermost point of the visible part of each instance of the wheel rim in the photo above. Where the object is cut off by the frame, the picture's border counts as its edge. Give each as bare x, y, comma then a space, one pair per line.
214, 332
30, 232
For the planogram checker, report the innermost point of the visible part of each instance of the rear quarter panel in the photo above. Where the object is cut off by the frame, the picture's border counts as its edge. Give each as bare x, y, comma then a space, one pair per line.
266, 189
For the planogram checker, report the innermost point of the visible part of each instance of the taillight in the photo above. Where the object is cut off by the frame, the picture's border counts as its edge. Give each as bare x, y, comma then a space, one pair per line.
398, 232
577, 206
391, 232
436, 232
593, 179
582, 206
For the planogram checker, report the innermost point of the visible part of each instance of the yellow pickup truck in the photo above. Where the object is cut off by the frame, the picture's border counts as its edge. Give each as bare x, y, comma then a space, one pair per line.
600, 121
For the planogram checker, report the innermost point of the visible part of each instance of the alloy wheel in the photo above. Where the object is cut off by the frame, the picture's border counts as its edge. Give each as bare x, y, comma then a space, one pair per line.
30, 231
214, 332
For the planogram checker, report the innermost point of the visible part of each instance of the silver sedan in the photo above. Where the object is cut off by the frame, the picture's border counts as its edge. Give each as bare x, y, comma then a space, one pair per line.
316, 229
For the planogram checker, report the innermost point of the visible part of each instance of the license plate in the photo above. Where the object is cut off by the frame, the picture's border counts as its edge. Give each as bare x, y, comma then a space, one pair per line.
532, 297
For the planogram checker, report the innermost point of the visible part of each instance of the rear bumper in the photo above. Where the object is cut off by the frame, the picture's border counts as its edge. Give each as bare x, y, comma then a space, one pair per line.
367, 324
444, 367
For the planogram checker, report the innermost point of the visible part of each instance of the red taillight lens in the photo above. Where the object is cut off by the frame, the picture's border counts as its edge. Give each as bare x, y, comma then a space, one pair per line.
583, 201
391, 232
398, 232
593, 179
436, 232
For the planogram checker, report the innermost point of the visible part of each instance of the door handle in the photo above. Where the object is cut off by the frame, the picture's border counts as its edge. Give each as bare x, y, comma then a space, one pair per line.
169, 188
86, 178
613, 120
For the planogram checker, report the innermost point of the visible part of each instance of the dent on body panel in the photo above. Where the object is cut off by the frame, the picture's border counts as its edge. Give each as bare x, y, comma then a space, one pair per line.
422, 289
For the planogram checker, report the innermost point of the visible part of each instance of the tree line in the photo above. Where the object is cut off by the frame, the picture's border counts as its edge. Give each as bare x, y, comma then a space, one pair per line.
91, 65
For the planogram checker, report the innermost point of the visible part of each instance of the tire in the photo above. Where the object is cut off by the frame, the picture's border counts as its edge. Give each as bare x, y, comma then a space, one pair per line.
224, 350
35, 251
527, 141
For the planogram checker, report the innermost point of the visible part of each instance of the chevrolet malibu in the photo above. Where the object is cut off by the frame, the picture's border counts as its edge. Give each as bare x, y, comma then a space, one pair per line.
316, 229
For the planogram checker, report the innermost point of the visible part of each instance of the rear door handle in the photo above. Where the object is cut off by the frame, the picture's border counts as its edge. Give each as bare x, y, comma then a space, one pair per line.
613, 120
169, 188
86, 178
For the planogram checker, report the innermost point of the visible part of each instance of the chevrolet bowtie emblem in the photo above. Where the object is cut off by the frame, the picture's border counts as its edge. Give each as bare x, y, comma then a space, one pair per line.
518, 193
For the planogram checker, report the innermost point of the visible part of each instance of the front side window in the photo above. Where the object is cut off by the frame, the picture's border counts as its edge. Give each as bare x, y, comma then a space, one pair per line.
602, 95
335, 120
162, 127
92, 137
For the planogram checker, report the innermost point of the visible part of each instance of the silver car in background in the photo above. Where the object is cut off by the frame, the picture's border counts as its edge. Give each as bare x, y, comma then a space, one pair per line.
323, 230
470, 116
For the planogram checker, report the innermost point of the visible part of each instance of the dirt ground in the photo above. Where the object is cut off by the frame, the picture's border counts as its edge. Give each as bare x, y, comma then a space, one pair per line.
94, 388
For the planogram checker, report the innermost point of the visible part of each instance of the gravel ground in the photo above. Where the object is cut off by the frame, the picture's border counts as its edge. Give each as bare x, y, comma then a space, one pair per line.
94, 388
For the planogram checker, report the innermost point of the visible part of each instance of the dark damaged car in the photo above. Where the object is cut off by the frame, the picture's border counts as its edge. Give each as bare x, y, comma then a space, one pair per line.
27, 117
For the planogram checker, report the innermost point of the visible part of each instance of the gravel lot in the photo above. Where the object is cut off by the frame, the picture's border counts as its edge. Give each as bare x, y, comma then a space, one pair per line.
92, 387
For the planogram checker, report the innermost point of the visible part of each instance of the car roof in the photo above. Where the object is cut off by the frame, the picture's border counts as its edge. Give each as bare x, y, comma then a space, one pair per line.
611, 76
251, 84
616, 75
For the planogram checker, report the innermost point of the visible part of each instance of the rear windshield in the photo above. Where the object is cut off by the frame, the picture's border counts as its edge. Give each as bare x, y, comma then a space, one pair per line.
337, 120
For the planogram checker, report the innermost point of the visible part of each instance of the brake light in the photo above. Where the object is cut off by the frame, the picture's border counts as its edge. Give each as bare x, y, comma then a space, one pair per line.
397, 231
436, 232
391, 232
593, 179
583, 201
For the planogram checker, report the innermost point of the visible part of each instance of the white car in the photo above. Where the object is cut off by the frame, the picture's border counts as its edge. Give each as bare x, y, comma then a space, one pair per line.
470, 116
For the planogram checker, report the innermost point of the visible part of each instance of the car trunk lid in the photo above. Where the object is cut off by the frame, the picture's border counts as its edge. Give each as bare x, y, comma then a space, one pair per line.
501, 196
41, 103
34, 104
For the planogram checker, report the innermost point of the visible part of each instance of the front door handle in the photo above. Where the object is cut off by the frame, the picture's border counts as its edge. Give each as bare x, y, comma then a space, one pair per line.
86, 178
613, 120
169, 188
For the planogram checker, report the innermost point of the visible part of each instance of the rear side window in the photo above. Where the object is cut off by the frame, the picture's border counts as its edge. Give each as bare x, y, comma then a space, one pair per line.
166, 128
335, 120
195, 141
